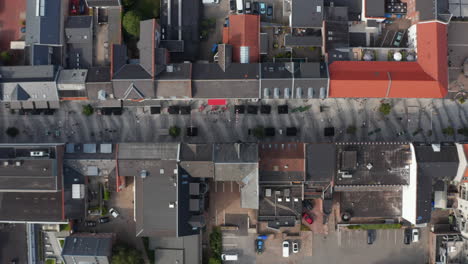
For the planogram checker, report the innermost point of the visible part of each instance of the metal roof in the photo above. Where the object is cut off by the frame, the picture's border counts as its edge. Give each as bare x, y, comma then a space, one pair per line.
44, 28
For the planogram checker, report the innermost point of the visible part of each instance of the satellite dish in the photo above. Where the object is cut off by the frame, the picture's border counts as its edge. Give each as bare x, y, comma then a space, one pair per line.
397, 56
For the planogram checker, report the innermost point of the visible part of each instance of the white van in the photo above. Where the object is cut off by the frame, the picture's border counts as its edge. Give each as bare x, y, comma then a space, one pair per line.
285, 249
229, 257
240, 6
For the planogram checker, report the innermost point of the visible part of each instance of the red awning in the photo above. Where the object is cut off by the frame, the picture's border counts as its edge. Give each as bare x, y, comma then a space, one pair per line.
217, 102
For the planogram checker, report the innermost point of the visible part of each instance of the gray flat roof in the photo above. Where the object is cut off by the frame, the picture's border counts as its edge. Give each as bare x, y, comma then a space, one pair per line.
302, 41
153, 196
75, 76
196, 152
88, 245
235, 153
35, 73
147, 151
306, 13
45, 29
373, 164
375, 8
103, 3
189, 245
437, 165
26, 206
320, 162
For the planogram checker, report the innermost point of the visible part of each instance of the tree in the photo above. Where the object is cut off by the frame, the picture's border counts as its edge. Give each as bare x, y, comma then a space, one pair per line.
463, 131
88, 110
385, 108
351, 130
12, 132
128, 3
174, 131
214, 260
258, 132
131, 23
216, 243
449, 131
126, 255
5, 56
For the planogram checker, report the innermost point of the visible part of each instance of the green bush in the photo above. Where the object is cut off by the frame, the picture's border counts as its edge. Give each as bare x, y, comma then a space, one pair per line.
213, 260
62, 242
462, 100
5, 56
449, 131
131, 23
126, 255
259, 132
385, 108
463, 131
106, 195
12, 132
87, 110
174, 131
128, 3
66, 227
216, 243
374, 226
351, 130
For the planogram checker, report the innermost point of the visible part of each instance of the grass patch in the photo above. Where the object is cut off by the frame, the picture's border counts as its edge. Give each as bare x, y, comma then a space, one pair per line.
374, 226
50, 261
149, 252
66, 227
148, 8
62, 242
304, 228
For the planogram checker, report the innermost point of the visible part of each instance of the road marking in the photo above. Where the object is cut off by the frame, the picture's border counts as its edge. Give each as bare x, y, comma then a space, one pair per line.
396, 232
230, 245
339, 238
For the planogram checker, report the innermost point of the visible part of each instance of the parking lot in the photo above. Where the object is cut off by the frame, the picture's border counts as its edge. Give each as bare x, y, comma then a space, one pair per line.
351, 246
137, 124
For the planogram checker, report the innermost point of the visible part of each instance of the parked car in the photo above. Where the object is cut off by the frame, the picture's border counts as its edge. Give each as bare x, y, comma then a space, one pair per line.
74, 5
226, 22
259, 246
371, 236
407, 237
285, 249
270, 11
114, 212
415, 233
262, 8
295, 247
232, 5
229, 257
307, 218
90, 223
398, 39
103, 220
255, 8
248, 7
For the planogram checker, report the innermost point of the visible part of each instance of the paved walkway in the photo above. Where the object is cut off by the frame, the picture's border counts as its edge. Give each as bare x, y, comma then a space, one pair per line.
410, 120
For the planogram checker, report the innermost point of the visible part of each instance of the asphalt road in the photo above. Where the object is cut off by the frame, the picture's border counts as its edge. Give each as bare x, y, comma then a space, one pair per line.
409, 120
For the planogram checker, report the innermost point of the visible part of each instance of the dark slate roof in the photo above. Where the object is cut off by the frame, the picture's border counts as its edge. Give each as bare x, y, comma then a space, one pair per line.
79, 22
98, 74
339, 35
277, 70
375, 8
119, 57
307, 13
89, 245
302, 41
336, 13
354, 7
43, 73
263, 43
102, 3
40, 55
437, 165
79, 37
320, 162
133, 89
236, 71
426, 9
132, 72
235, 153
44, 29
19, 94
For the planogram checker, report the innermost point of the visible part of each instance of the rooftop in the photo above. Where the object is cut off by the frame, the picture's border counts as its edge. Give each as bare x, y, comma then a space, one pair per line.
148, 151
373, 164
235, 153
375, 8
44, 26
320, 162
306, 13
437, 161
103, 3
382, 204
85, 244
282, 162
243, 31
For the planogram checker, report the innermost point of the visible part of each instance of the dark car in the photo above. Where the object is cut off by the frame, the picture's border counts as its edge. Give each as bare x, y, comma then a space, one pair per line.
255, 8
103, 220
232, 5
370, 236
270, 11
90, 223
408, 236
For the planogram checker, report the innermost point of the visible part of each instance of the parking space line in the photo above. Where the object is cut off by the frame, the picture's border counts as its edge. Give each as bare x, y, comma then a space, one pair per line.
232, 187
223, 186
230, 245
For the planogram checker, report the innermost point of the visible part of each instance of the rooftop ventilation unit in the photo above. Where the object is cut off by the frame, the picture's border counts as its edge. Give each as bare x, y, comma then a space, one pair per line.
143, 174
244, 54
18, 163
172, 204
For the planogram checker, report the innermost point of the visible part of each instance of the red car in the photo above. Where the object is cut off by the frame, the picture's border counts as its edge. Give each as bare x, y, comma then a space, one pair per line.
74, 6
307, 218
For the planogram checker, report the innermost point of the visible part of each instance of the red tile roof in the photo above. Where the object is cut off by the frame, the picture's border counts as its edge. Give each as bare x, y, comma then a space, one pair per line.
243, 30
426, 78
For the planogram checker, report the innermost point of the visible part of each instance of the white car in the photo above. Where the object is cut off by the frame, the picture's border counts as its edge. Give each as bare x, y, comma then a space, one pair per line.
285, 249
295, 247
114, 212
415, 235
